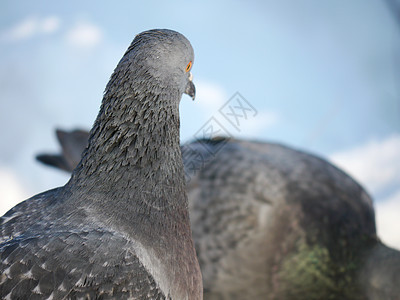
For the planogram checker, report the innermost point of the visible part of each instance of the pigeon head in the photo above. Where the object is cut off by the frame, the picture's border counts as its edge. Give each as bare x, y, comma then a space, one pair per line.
138, 121
163, 58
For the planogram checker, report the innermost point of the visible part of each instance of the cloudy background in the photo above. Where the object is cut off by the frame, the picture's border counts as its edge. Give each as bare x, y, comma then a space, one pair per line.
323, 76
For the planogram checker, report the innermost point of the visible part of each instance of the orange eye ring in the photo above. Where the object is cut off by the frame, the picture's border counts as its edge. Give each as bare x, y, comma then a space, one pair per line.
188, 67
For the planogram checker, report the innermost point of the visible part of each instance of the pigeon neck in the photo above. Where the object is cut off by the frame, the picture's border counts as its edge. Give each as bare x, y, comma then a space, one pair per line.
134, 149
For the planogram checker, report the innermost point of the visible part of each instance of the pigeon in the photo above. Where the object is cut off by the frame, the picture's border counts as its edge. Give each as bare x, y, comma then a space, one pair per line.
119, 228
273, 222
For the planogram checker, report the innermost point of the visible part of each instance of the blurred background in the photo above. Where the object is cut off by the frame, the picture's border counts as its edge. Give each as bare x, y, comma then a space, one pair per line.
321, 76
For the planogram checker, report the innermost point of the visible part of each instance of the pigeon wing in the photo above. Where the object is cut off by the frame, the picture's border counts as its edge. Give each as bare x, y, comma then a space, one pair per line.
79, 264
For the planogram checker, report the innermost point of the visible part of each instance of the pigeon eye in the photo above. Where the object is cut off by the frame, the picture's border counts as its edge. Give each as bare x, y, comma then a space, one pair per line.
188, 67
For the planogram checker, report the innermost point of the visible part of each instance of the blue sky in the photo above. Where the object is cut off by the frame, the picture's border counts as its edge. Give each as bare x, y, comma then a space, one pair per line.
322, 75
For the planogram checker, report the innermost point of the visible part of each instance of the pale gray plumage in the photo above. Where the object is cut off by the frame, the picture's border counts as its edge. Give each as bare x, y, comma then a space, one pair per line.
271, 222
119, 229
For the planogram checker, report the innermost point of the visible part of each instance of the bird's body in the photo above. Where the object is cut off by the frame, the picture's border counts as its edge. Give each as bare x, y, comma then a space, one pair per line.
119, 229
271, 222
49, 252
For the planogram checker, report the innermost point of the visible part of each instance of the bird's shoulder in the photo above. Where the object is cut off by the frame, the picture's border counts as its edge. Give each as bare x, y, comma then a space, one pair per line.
28, 214
74, 264
248, 165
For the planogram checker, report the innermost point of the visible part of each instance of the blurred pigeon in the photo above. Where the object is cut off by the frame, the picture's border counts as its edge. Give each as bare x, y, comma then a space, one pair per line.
271, 222
119, 229
73, 143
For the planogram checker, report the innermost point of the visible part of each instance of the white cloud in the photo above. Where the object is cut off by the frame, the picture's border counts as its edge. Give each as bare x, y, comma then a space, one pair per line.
388, 220
30, 27
375, 164
84, 35
50, 24
12, 191
210, 96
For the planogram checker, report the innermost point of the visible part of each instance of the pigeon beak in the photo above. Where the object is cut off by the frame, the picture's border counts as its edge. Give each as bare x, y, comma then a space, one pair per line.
190, 88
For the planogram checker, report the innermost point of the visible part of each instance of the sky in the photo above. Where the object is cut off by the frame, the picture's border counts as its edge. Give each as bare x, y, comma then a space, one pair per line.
321, 76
